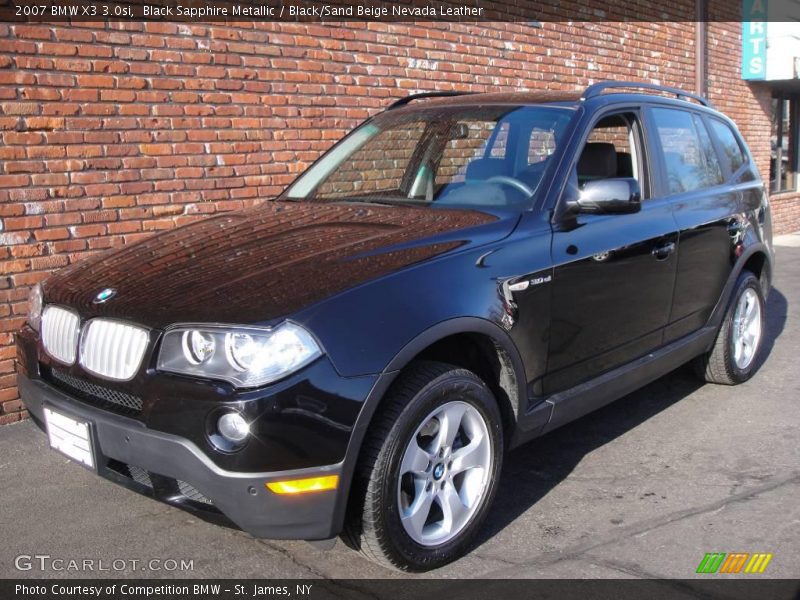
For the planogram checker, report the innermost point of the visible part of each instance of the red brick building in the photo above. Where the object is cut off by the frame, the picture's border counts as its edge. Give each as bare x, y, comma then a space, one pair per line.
111, 131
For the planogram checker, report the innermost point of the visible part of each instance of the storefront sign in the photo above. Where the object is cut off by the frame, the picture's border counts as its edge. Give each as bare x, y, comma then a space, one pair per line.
754, 39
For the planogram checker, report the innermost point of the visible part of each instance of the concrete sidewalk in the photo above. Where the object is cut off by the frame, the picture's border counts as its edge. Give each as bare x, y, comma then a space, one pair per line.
642, 488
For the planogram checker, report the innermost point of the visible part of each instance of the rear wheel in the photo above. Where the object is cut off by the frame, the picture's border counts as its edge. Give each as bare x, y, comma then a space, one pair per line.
734, 357
428, 471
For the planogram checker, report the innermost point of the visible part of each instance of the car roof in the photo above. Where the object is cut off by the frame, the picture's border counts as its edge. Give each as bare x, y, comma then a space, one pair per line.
534, 97
518, 98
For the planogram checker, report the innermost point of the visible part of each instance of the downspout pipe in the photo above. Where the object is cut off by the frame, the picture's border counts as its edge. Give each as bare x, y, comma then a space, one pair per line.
701, 48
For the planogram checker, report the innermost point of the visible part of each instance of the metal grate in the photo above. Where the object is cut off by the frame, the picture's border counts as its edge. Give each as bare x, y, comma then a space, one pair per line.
138, 474
192, 493
112, 349
165, 486
96, 394
60, 331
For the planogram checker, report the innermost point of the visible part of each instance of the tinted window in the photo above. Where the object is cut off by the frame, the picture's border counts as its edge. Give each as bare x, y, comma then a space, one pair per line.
730, 146
689, 155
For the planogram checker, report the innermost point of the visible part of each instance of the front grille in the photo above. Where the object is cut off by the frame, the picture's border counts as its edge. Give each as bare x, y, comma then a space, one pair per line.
112, 349
60, 331
97, 395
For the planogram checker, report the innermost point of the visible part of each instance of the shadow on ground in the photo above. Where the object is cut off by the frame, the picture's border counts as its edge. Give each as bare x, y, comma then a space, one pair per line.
535, 468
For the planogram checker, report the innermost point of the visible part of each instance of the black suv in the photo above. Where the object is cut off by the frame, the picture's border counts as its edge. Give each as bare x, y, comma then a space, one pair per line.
460, 274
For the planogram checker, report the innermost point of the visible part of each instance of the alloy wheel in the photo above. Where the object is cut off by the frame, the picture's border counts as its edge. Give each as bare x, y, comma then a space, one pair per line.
746, 328
444, 473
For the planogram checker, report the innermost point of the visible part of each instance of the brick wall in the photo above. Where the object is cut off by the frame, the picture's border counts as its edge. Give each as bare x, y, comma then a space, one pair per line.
109, 132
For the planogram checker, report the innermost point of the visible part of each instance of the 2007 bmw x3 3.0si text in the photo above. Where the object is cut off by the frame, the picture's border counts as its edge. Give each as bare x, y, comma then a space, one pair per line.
460, 274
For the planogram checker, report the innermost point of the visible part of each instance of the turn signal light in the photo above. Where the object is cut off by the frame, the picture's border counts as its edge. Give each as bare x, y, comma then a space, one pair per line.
301, 486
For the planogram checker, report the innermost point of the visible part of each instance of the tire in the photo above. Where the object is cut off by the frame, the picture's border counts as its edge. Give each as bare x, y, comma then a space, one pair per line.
727, 363
390, 485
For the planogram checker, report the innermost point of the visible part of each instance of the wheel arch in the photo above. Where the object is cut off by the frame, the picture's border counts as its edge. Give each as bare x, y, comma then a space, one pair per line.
756, 258
453, 340
430, 344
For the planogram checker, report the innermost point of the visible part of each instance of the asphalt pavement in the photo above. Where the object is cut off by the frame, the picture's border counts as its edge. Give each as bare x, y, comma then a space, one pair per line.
642, 488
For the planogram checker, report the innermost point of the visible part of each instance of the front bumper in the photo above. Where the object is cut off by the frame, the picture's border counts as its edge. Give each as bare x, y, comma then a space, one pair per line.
171, 462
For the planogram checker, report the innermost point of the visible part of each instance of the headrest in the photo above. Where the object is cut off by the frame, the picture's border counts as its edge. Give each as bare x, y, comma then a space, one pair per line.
598, 161
484, 168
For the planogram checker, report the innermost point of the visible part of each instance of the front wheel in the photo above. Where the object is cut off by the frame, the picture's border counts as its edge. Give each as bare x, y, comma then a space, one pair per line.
734, 357
429, 469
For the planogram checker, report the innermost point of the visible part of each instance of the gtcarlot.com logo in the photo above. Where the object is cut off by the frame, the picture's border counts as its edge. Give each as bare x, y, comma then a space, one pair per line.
45, 562
734, 562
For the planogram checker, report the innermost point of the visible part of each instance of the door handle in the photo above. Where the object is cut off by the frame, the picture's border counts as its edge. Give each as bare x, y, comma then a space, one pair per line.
663, 251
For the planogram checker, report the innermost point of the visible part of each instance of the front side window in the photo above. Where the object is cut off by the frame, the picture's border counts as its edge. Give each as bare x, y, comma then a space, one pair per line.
611, 151
689, 157
460, 156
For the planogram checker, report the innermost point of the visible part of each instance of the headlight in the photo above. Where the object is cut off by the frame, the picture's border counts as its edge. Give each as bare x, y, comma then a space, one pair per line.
35, 303
244, 356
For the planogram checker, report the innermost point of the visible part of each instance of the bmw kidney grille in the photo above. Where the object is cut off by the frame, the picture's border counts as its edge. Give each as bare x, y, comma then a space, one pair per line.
109, 349
60, 331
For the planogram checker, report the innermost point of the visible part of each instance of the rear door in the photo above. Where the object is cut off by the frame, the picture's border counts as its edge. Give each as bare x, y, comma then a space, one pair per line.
704, 206
614, 274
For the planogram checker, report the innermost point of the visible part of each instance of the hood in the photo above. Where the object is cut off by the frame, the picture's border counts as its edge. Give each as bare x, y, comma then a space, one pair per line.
267, 262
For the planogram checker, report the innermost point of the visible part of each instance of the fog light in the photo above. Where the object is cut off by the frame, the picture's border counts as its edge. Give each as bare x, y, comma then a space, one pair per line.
233, 427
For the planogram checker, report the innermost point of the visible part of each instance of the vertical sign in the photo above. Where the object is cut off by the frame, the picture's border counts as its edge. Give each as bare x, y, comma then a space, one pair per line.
754, 39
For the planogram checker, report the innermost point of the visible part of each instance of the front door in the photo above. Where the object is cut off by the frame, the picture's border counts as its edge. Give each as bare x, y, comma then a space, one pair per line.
613, 274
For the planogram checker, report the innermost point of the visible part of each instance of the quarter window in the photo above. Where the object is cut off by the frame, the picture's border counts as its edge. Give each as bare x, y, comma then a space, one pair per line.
730, 146
691, 163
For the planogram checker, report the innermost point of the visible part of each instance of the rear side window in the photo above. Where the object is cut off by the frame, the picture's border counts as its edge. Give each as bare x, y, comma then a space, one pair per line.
689, 155
730, 146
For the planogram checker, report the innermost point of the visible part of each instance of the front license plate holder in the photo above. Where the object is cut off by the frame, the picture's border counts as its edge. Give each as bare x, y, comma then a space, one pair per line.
72, 437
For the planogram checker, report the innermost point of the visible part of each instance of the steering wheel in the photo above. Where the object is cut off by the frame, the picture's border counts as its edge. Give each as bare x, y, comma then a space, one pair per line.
510, 181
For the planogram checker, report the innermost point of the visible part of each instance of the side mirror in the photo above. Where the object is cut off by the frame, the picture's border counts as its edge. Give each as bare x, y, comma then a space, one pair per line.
609, 197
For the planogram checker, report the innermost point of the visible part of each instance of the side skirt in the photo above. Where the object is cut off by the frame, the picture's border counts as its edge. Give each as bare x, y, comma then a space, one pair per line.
582, 399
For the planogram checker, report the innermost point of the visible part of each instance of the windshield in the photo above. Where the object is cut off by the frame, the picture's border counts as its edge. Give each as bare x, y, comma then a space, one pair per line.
461, 156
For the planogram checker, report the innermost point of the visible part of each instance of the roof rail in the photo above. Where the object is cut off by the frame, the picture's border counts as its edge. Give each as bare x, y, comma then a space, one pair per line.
599, 88
410, 98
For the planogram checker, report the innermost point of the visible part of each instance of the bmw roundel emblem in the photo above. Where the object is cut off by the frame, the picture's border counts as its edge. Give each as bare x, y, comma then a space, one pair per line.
105, 295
